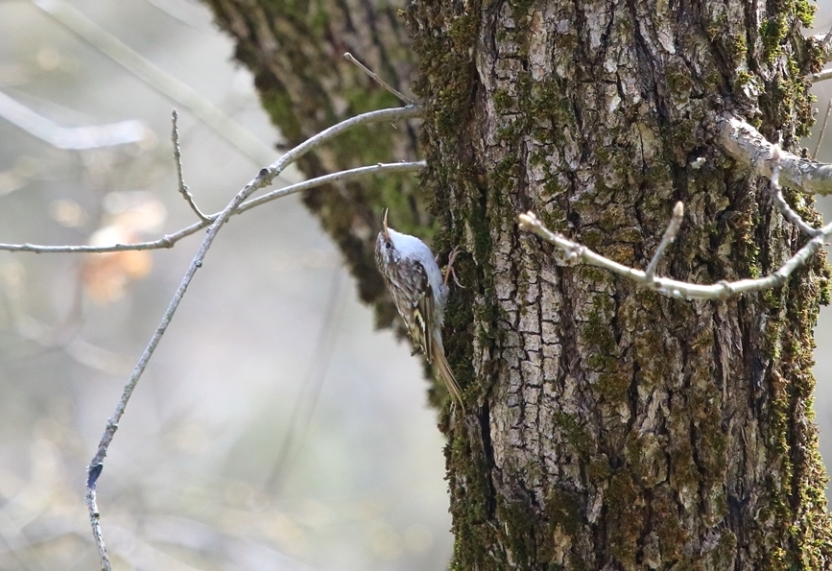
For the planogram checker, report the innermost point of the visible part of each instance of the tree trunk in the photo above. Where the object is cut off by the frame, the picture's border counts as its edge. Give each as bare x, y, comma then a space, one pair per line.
605, 427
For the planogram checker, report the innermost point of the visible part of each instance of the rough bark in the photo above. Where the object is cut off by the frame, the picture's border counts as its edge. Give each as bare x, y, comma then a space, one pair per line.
614, 428
605, 427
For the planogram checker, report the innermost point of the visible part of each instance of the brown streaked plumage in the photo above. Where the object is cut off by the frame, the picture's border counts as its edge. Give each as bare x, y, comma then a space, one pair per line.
419, 292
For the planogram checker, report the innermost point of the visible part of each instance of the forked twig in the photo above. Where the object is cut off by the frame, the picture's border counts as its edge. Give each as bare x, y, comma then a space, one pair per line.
578, 253
263, 179
169, 240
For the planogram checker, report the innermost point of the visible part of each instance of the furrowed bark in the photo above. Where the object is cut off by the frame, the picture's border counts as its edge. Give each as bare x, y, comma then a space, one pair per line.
615, 428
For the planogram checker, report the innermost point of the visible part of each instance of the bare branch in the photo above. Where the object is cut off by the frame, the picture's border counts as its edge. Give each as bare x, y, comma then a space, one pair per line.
787, 211
330, 178
166, 241
746, 145
667, 239
266, 175
374, 76
577, 253
177, 156
170, 239
263, 179
95, 518
822, 76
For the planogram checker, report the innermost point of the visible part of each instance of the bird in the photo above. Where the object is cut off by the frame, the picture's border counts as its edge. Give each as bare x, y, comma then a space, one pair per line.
419, 292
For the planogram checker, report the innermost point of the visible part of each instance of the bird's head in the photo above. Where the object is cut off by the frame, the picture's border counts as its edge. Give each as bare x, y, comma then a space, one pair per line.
386, 251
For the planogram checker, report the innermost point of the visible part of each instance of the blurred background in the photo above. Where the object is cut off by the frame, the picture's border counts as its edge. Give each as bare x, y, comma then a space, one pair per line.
274, 428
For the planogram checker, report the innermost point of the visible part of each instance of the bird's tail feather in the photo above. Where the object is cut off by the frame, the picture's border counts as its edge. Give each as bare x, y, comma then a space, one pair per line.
445, 372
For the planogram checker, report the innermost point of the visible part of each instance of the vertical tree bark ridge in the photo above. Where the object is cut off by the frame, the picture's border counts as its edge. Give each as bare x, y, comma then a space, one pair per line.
295, 50
614, 428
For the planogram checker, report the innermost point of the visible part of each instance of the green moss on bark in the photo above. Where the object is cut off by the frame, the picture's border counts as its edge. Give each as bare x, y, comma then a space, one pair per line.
659, 389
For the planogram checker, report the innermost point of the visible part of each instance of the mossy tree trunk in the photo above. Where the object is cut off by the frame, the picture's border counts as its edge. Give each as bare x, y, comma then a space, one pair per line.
605, 427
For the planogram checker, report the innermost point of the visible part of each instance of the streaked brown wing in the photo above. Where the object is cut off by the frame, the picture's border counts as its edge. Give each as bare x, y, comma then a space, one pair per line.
414, 290
425, 308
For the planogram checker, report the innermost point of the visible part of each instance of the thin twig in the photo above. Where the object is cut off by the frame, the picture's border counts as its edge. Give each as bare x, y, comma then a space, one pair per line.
177, 156
330, 178
95, 523
263, 179
374, 76
787, 211
166, 241
822, 129
667, 239
746, 145
170, 239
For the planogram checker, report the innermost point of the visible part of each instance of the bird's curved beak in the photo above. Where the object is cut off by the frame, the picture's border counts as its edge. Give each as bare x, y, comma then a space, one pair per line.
384, 229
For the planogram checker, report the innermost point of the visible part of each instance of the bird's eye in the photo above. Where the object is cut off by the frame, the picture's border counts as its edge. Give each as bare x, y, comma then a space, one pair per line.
388, 245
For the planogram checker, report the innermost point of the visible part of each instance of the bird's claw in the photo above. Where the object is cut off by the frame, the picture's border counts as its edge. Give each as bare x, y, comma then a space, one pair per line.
449, 270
